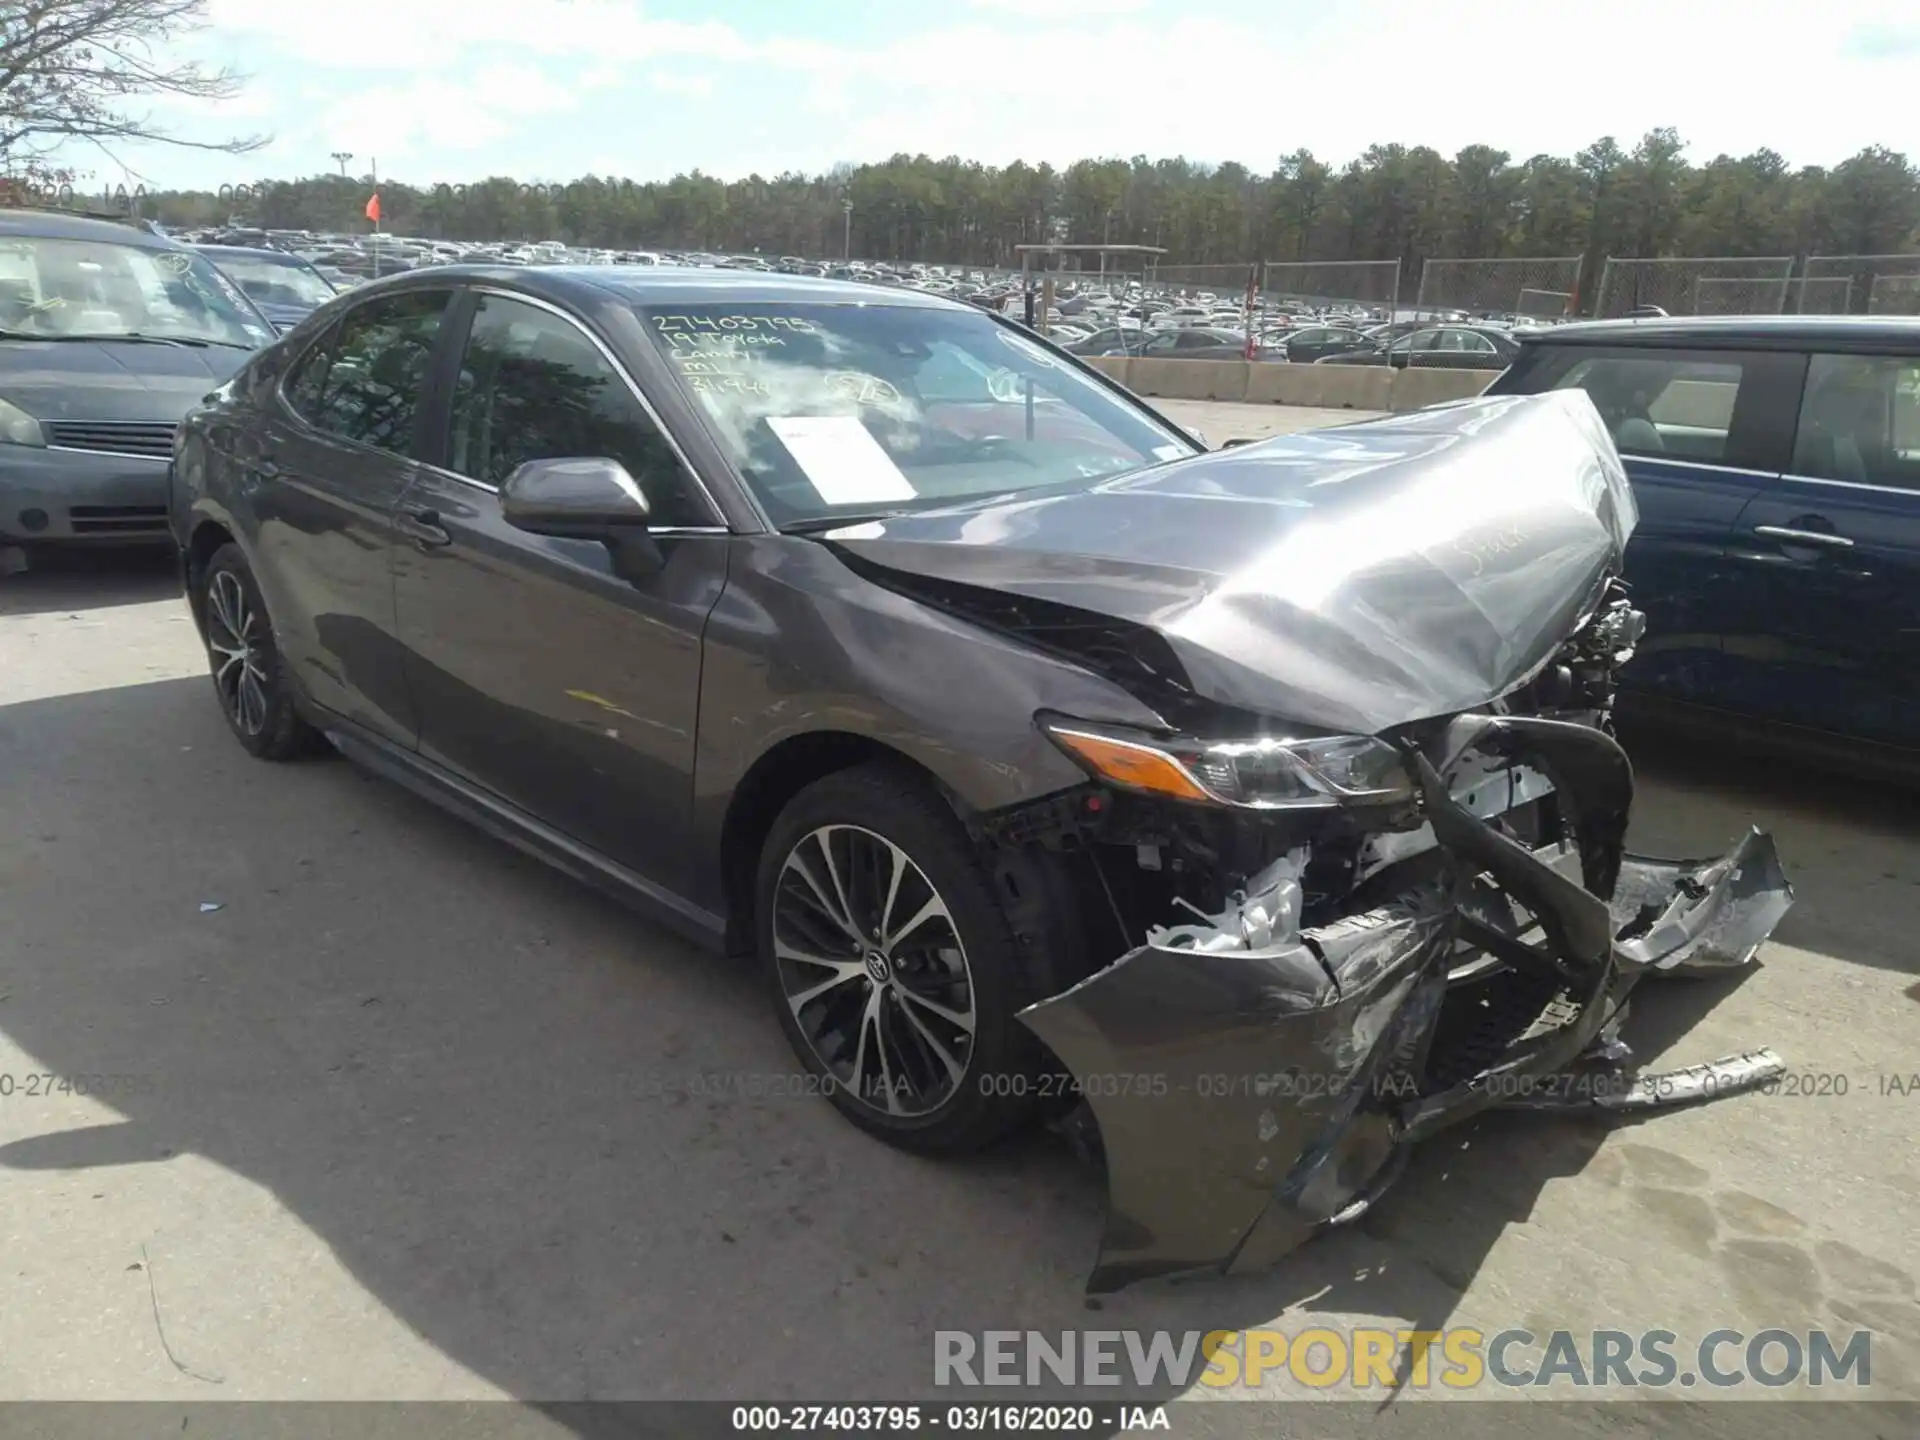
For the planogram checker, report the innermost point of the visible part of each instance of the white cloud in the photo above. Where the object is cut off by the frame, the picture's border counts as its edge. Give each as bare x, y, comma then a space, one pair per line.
676, 83
435, 84
397, 121
420, 34
1063, 9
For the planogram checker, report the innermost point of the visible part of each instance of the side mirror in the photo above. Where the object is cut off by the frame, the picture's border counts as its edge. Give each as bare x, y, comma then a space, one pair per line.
1239, 440
589, 498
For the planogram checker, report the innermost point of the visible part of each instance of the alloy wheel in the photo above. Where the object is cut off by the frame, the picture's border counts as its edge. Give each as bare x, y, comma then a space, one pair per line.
235, 636
874, 971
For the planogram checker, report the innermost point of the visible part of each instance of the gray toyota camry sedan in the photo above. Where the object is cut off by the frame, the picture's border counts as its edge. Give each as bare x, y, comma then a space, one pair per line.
1249, 815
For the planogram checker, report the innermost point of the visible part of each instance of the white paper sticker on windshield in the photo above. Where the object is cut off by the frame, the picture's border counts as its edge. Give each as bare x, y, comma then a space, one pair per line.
841, 459
1168, 452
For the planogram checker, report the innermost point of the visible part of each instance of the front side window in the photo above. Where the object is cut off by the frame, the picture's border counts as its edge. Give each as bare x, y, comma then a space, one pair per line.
364, 380
1860, 420
852, 407
1662, 403
533, 386
100, 290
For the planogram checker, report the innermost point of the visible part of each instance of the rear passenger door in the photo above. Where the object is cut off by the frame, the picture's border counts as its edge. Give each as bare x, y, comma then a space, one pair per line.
1702, 433
337, 453
1831, 559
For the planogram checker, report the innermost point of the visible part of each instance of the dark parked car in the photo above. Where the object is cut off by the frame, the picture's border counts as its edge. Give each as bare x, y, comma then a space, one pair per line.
1033, 750
1318, 342
1448, 347
108, 333
1199, 342
283, 287
1777, 465
1114, 340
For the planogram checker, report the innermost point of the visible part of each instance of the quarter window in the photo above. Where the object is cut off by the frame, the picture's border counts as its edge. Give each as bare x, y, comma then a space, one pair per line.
532, 386
363, 381
1860, 420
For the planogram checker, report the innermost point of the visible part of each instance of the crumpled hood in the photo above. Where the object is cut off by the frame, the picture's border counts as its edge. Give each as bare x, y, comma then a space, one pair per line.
108, 380
1349, 579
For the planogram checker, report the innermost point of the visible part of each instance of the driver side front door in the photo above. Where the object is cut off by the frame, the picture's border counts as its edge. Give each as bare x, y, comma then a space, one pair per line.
539, 675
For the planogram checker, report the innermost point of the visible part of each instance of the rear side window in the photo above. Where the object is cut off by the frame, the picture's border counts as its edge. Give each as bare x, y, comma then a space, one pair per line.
1663, 403
365, 378
1860, 420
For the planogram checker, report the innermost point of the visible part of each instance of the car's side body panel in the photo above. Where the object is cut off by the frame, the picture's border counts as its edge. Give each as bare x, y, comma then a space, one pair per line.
801, 645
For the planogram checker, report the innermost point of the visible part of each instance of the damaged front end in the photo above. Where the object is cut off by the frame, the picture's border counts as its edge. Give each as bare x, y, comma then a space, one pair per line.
1369, 875
1447, 921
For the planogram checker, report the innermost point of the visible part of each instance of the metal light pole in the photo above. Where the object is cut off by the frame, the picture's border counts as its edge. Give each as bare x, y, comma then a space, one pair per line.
846, 244
340, 158
374, 172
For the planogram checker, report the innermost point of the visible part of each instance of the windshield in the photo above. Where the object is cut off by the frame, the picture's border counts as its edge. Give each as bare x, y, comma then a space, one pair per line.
273, 280
99, 289
854, 408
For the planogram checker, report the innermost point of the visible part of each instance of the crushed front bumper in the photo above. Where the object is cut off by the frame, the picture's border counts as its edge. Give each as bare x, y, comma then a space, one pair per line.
1251, 1094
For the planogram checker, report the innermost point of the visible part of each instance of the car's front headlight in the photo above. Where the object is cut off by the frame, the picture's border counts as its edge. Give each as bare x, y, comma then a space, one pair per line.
19, 428
1267, 773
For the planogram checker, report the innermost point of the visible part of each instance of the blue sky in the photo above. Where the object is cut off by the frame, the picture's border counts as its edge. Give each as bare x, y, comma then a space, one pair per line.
440, 90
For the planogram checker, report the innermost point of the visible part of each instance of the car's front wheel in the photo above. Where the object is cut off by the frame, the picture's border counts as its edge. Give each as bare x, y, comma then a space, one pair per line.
896, 975
249, 676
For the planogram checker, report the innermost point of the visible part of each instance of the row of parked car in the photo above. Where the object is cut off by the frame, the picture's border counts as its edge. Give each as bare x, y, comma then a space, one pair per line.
1400, 343
288, 272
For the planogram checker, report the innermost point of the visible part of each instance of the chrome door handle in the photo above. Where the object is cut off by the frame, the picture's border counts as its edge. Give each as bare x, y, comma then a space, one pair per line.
1788, 535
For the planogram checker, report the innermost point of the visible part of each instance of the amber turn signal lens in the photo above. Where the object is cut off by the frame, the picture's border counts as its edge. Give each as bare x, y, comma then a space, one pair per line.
1137, 767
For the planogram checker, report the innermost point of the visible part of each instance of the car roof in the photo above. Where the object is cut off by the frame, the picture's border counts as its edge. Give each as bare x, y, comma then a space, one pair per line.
1749, 332
62, 225
680, 285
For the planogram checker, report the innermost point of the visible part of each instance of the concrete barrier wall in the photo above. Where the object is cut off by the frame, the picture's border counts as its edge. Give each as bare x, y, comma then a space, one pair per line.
1333, 387
1189, 379
1415, 389
1330, 387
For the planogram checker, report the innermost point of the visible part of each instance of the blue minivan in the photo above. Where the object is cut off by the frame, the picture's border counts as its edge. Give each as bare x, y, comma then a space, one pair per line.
1777, 464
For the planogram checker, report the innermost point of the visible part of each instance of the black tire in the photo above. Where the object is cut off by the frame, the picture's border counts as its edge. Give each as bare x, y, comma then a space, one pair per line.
997, 1088
255, 691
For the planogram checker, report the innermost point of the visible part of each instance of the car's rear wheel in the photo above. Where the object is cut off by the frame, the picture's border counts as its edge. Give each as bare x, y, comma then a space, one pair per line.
895, 973
249, 674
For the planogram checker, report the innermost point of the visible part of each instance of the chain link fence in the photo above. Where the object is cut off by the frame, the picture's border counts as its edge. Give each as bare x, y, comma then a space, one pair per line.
1224, 283
1372, 286
1695, 285
1859, 285
1538, 287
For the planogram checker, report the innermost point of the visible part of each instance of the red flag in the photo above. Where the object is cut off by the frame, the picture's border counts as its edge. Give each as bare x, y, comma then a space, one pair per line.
373, 208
